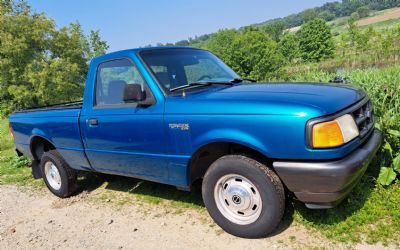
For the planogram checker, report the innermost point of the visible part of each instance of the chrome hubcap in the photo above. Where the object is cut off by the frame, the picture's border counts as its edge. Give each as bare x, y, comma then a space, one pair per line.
52, 175
238, 199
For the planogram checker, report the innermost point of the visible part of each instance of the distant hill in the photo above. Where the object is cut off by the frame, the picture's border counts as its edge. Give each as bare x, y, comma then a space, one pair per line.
378, 19
369, 11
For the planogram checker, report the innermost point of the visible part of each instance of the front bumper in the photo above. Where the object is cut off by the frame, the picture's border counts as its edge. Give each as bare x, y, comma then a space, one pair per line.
324, 184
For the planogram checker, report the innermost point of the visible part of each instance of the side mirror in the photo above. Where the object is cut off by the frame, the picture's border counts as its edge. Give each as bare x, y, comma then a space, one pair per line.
133, 93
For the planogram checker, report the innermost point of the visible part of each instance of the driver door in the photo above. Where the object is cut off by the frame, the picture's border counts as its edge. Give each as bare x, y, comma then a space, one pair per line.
122, 137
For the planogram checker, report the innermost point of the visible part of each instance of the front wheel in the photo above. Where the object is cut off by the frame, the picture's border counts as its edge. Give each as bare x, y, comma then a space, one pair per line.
243, 196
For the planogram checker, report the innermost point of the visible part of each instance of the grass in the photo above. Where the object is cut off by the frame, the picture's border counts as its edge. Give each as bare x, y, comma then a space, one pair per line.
371, 213
12, 168
125, 190
378, 26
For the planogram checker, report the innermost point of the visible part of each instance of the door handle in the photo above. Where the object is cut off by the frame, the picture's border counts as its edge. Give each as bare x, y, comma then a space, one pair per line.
93, 122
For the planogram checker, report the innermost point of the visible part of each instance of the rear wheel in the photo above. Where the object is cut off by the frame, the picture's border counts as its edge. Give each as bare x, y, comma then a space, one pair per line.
60, 179
243, 196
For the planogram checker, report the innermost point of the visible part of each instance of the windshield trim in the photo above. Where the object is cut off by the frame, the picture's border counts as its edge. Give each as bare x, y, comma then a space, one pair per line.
165, 90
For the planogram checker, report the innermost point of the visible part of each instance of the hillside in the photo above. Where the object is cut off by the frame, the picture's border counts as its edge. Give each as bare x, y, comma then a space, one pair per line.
379, 14
378, 19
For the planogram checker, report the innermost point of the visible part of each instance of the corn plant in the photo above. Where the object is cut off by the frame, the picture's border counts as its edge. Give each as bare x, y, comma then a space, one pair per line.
383, 87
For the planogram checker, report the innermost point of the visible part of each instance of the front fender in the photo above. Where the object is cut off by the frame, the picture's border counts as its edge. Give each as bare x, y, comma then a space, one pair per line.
230, 135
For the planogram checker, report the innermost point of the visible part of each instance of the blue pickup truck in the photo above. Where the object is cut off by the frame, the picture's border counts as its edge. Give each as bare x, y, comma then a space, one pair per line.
176, 115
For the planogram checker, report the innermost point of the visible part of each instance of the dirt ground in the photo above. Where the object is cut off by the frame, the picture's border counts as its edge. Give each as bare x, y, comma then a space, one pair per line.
38, 220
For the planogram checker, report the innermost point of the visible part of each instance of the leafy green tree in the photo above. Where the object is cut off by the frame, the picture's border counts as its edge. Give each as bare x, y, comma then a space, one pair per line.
250, 52
274, 29
256, 55
353, 30
220, 43
357, 40
309, 15
363, 11
315, 41
326, 15
97, 46
182, 43
289, 46
40, 64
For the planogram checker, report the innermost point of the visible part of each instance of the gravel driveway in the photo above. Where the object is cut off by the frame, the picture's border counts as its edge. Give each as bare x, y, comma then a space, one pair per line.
38, 220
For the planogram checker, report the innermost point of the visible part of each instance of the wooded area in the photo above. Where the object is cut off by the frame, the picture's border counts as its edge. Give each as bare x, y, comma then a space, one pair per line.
39, 63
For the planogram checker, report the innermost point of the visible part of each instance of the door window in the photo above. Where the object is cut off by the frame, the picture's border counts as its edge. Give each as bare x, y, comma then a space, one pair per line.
111, 79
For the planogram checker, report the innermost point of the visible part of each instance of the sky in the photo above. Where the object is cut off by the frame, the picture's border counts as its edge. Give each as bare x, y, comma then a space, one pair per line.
126, 24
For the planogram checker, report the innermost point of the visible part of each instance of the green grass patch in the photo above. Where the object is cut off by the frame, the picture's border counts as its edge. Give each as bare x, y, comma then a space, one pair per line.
370, 213
339, 25
13, 169
124, 190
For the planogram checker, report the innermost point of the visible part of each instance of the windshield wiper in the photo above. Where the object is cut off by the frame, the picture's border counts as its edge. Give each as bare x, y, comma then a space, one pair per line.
238, 80
200, 84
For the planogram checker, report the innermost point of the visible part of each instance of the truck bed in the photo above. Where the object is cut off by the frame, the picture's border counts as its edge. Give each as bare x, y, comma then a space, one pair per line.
58, 106
58, 124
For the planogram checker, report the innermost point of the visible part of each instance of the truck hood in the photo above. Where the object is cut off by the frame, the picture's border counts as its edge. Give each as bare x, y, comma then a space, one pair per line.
266, 98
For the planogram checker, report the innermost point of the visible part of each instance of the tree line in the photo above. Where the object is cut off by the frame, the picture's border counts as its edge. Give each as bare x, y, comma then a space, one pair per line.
41, 64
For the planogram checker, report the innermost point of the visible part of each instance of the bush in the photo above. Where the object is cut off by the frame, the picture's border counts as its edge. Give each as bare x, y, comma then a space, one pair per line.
315, 41
363, 11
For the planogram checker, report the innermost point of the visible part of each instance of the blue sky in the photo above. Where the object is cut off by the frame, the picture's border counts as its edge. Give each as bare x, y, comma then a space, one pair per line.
130, 23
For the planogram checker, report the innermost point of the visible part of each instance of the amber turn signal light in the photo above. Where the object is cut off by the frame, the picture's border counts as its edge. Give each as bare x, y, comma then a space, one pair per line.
327, 134
334, 133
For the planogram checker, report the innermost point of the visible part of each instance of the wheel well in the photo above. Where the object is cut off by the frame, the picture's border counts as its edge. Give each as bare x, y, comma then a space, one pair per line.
38, 146
209, 153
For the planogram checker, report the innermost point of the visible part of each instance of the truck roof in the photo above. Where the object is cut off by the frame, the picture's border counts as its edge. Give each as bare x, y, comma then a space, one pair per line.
124, 52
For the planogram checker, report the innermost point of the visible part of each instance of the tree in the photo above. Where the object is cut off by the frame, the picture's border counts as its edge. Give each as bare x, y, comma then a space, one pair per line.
309, 15
363, 11
182, 43
274, 29
256, 55
289, 46
41, 64
326, 15
315, 41
250, 52
97, 46
220, 43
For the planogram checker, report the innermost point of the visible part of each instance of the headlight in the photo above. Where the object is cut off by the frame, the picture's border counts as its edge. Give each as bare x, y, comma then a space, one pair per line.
334, 133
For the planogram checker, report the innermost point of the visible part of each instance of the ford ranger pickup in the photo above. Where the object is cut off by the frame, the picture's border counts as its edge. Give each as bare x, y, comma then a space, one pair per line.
175, 115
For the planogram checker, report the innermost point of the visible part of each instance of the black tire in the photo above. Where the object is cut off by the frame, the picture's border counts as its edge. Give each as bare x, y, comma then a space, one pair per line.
266, 182
68, 176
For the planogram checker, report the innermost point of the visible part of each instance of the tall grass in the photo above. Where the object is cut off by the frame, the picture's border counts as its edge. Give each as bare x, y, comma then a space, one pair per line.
372, 211
381, 85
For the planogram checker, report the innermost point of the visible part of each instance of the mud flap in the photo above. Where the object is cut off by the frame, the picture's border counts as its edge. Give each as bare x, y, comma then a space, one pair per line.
36, 171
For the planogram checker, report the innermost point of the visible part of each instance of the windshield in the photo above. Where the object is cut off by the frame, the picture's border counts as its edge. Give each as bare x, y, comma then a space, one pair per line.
174, 68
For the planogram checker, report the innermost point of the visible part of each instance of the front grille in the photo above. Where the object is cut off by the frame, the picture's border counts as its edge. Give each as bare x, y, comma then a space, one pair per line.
364, 118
